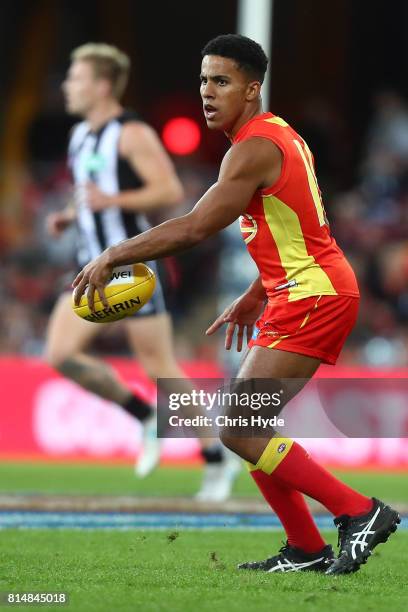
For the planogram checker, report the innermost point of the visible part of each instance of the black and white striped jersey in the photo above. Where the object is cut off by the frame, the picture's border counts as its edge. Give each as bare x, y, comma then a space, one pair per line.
94, 156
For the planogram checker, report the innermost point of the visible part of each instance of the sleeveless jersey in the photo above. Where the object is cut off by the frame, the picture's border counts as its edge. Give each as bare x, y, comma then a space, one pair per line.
285, 226
94, 156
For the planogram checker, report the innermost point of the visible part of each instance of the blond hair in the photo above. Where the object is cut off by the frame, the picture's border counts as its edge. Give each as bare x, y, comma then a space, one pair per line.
108, 63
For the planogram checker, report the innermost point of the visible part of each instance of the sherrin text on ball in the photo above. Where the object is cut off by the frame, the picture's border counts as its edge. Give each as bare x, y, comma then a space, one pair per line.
128, 290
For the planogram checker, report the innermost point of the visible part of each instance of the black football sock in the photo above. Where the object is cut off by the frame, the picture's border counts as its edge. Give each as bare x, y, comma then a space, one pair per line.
213, 454
138, 408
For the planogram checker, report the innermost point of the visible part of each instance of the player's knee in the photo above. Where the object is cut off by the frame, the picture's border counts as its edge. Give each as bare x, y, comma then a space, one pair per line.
236, 444
230, 441
157, 366
94, 378
152, 369
57, 358
54, 358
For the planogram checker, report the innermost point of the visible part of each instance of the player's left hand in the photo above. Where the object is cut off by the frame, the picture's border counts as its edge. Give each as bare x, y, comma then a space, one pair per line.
93, 278
95, 198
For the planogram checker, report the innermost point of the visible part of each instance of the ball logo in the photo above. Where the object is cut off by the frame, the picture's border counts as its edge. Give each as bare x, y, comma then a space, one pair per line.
112, 310
248, 227
281, 447
121, 275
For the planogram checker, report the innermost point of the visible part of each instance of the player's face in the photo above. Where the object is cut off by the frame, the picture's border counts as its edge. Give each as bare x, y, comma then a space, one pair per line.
224, 91
81, 88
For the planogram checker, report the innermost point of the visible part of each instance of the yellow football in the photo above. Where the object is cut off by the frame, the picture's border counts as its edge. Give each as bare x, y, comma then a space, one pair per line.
128, 289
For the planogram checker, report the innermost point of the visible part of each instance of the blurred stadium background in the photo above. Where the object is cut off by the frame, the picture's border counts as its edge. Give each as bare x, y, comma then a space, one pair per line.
338, 73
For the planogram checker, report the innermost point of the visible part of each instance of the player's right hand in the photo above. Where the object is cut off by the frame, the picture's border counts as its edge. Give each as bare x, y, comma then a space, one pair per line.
243, 314
57, 222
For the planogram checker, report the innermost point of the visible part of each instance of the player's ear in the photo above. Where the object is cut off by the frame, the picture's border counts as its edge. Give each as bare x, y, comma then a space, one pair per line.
253, 90
105, 87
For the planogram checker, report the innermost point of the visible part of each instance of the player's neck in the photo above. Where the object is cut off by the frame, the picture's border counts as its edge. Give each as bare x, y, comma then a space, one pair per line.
102, 113
244, 118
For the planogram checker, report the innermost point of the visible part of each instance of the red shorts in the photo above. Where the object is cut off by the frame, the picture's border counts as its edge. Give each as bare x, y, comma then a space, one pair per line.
315, 326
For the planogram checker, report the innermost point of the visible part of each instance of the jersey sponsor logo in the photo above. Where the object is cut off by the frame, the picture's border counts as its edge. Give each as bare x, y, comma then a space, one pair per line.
95, 162
248, 227
271, 333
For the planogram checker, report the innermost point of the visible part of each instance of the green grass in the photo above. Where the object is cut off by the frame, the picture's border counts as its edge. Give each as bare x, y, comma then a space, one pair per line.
154, 571
194, 571
167, 481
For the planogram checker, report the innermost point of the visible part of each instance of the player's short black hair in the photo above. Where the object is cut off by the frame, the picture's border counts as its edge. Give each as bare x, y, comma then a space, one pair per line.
247, 53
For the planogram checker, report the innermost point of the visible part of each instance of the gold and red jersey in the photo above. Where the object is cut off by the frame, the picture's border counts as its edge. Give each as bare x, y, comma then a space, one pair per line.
285, 226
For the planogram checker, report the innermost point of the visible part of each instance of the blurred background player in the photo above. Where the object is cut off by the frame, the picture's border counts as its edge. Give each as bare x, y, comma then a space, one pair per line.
120, 172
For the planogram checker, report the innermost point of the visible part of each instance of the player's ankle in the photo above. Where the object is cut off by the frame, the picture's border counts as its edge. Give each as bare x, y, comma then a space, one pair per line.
138, 408
213, 454
308, 548
364, 509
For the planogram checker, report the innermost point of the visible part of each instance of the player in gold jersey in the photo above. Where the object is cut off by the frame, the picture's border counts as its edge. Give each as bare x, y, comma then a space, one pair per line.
267, 177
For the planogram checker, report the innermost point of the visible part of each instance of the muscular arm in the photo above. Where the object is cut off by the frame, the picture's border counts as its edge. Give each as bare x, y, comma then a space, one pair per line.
141, 147
246, 167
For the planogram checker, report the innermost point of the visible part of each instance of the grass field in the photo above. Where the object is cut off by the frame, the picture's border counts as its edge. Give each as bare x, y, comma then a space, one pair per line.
151, 571
96, 479
182, 570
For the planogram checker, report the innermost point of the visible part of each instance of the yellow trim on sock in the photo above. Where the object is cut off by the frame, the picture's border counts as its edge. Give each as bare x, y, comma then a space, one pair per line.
274, 452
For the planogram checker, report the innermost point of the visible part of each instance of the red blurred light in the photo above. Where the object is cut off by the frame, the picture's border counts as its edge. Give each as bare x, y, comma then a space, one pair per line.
181, 136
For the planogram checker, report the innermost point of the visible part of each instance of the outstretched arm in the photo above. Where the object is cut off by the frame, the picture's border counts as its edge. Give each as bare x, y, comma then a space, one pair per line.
247, 167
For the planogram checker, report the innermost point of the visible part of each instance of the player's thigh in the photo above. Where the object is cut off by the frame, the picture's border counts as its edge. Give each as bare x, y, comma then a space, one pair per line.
276, 366
266, 371
263, 362
67, 333
151, 337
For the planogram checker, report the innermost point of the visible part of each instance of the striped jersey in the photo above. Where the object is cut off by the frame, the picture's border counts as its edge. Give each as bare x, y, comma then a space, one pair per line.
94, 156
285, 226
